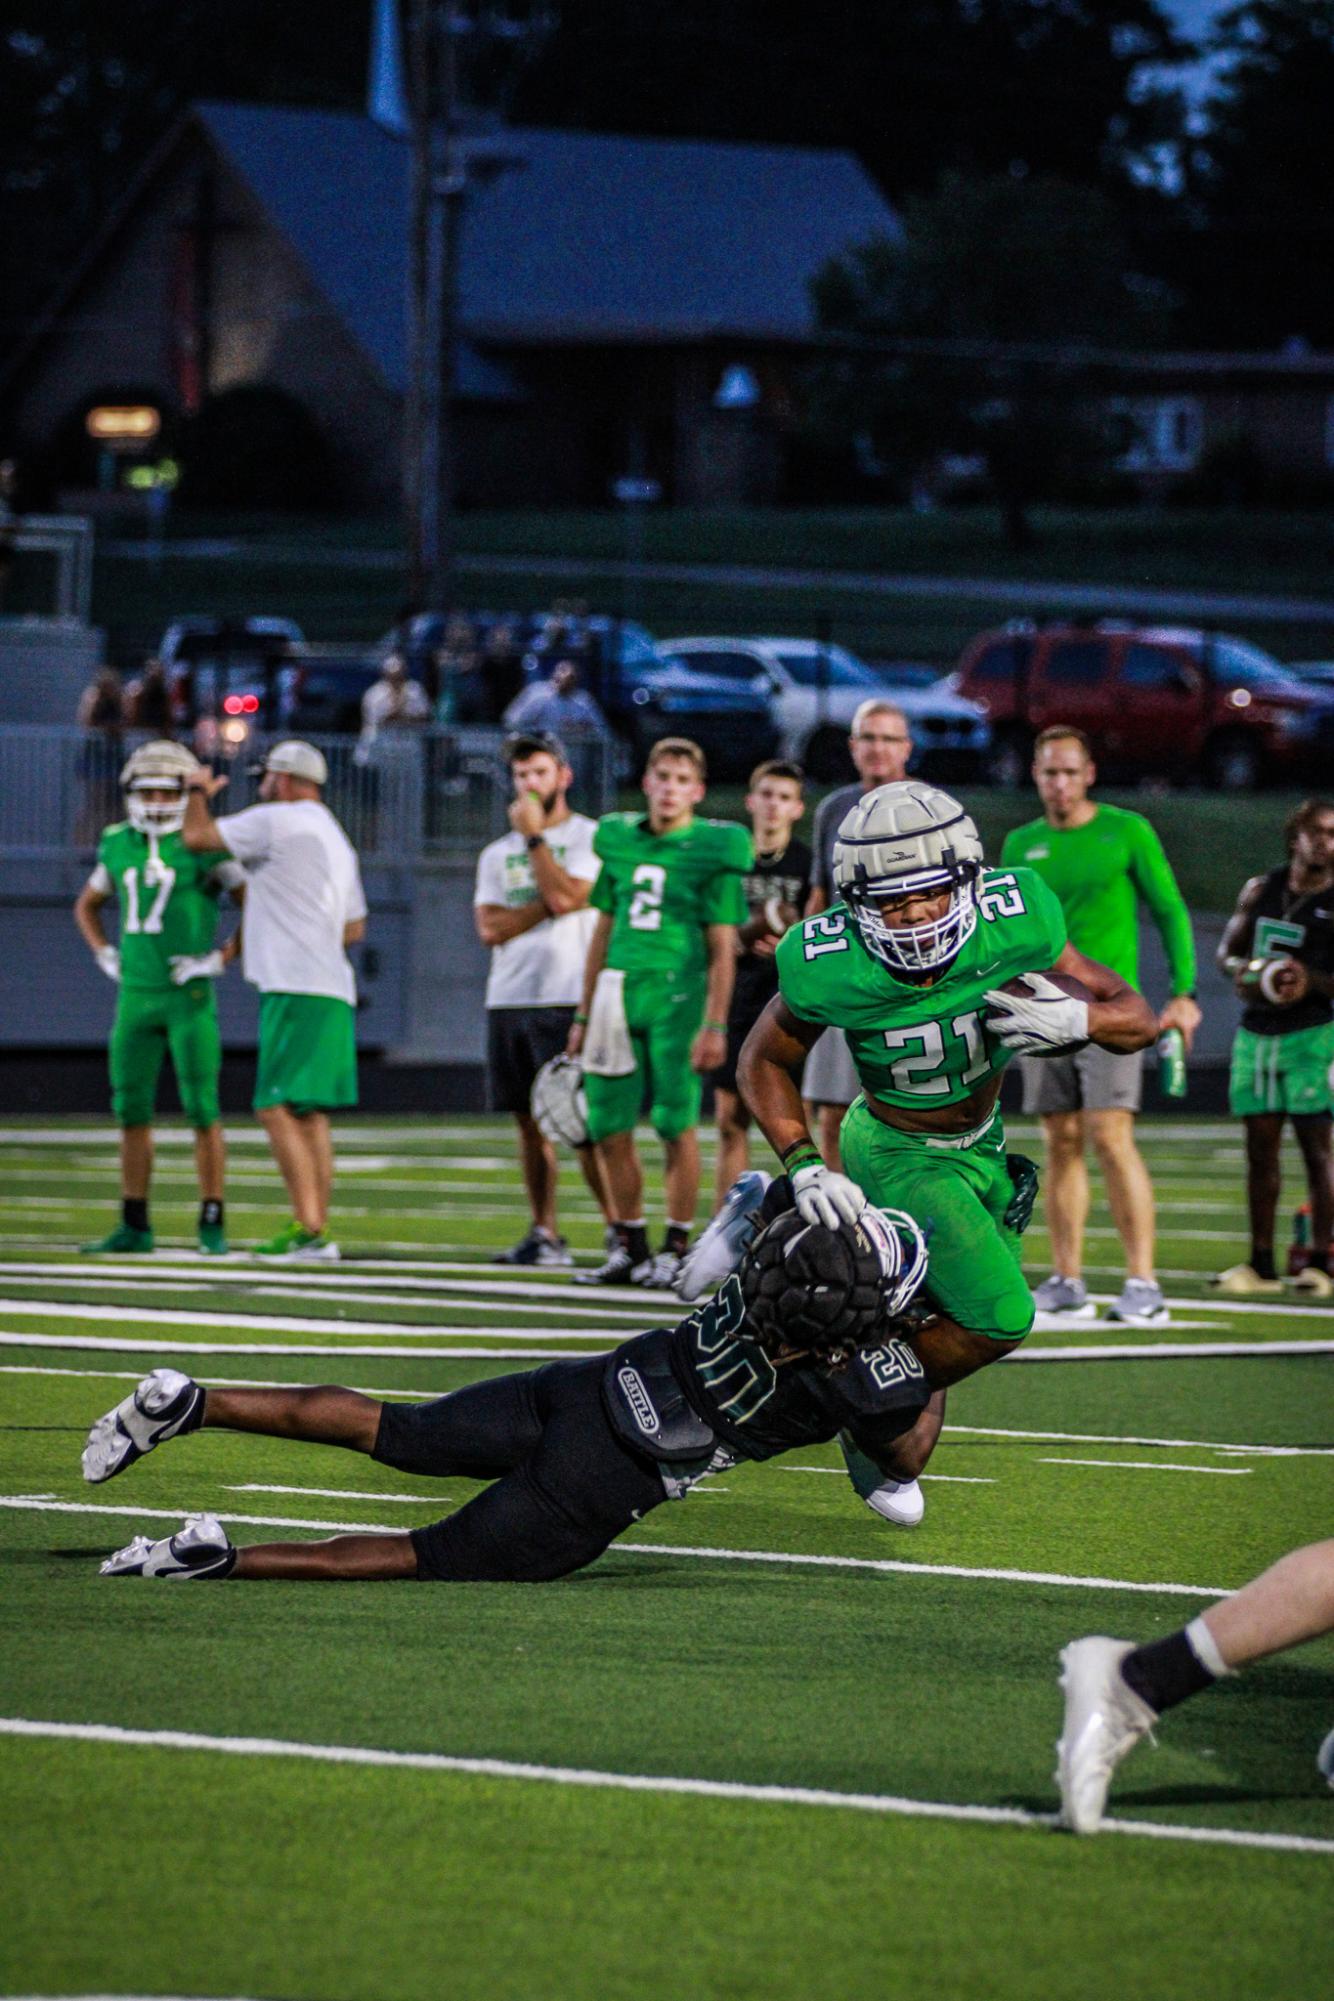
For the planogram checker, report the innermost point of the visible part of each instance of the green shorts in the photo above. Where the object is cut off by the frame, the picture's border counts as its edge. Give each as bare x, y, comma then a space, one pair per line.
151, 1020
664, 1012
1282, 1073
958, 1194
307, 1053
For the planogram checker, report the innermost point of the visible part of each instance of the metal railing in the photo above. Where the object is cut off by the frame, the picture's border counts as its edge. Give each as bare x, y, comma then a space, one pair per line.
409, 797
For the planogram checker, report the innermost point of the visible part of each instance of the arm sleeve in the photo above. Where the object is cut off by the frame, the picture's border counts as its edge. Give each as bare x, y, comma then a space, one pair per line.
1009, 853
490, 884
604, 891
227, 875
723, 900
580, 860
799, 980
247, 835
100, 880
1153, 878
1045, 908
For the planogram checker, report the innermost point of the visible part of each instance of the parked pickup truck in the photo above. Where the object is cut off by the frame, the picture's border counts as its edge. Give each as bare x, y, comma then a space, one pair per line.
1153, 700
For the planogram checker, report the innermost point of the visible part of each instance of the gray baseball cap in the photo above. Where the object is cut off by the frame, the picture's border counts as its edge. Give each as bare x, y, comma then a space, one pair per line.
298, 760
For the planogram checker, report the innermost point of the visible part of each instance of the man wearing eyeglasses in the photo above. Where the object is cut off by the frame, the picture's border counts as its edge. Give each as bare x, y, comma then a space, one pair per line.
881, 745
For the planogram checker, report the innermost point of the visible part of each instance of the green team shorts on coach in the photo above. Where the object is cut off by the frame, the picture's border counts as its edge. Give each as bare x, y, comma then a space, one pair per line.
664, 1013
149, 1022
307, 1053
1282, 1073
958, 1195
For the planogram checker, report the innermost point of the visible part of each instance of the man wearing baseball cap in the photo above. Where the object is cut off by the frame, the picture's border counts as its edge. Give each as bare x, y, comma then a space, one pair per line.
304, 907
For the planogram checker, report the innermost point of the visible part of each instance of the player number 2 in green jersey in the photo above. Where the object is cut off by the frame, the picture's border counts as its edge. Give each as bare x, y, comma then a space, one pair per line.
161, 879
649, 881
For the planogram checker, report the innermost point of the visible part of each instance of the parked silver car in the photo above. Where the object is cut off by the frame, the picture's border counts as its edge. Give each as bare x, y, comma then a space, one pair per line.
814, 690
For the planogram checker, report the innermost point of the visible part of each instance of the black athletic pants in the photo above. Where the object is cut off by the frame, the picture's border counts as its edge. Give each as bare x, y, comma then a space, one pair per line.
564, 1487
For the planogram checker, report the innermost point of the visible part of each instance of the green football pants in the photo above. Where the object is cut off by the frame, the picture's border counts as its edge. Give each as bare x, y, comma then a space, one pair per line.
150, 1021
958, 1195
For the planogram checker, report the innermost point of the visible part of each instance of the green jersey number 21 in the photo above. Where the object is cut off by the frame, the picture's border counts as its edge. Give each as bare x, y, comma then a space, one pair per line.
916, 1071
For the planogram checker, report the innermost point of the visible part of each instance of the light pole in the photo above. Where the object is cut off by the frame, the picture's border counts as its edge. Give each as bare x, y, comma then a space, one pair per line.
442, 35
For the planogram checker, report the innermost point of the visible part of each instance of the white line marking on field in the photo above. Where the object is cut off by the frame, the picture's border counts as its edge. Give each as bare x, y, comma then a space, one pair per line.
1154, 1466
1169, 1351
640, 1782
333, 1493
124, 1346
285, 1323
1114, 1438
956, 1479
33, 1503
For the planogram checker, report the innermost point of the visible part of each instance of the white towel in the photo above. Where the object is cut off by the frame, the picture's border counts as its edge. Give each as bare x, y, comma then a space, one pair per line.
607, 1051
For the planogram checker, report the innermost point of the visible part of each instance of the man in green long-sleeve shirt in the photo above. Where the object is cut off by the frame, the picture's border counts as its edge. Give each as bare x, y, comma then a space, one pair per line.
1101, 862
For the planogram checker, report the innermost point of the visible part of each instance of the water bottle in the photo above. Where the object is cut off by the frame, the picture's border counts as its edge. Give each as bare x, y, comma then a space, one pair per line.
1172, 1063
1299, 1251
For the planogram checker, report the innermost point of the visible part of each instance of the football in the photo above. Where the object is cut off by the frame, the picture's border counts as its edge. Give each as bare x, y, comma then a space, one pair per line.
1275, 980
1065, 981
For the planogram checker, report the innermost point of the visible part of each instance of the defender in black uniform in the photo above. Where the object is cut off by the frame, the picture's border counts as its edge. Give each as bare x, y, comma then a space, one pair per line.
806, 1340
1278, 949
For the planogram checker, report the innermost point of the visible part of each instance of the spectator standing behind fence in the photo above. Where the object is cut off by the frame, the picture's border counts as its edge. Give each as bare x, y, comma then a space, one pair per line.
1101, 862
148, 701
881, 745
394, 710
304, 907
101, 717
559, 705
1278, 948
531, 907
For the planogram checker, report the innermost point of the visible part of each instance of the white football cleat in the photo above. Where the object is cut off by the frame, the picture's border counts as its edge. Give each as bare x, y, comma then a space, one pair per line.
165, 1403
201, 1547
899, 1501
1104, 1720
725, 1241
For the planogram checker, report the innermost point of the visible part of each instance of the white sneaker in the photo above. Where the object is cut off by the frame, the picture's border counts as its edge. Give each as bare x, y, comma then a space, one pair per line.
725, 1241
899, 1501
1316, 1284
1240, 1281
1104, 1719
165, 1403
1141, 1304
323, 1251
619, 1268
201, 1547
1066, 1296
658, 1273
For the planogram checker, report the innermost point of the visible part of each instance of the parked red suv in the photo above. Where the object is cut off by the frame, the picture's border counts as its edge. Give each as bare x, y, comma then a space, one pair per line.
1152, 699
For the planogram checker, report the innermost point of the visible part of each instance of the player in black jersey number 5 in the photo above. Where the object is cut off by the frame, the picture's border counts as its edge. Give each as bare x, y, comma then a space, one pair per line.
804, 1341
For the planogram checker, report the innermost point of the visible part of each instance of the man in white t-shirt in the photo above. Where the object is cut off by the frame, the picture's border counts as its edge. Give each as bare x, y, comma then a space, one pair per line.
531, 907
304, 907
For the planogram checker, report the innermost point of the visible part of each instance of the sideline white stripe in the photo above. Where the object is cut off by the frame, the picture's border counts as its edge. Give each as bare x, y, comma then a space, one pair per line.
42, 1504
641, 1782
286, 1323
123, 1346
1154, 1466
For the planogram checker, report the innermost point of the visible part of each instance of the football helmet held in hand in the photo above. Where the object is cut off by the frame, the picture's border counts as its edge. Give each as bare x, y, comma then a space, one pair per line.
558, 1102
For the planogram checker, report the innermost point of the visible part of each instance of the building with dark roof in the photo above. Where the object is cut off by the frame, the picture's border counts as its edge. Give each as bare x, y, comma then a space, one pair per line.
627, 305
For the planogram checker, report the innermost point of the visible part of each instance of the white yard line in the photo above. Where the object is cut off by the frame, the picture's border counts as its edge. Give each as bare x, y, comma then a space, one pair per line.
839, 1472
1154, 1466
119, 1344
286, 1323
43, 1504
1115, 1438
637, 1782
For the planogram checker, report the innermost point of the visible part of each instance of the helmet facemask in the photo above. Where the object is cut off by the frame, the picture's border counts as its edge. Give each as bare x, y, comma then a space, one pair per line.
916, 948
909, 839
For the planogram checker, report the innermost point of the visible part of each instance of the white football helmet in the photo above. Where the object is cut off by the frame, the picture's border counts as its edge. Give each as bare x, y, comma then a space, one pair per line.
902, 1248
558, 1102
157, 767
901, 838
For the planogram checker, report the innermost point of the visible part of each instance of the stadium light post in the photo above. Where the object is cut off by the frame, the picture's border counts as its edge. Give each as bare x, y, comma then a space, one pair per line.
446, 162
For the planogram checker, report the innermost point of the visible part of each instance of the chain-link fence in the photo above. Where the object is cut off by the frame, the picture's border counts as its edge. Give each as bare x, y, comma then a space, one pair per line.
406, 797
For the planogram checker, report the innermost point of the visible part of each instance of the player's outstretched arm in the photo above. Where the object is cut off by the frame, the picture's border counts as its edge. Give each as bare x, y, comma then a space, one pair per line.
1119, 1018
769, 1057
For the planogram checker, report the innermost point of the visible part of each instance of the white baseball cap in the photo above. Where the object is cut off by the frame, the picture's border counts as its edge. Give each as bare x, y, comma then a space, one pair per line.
298, 760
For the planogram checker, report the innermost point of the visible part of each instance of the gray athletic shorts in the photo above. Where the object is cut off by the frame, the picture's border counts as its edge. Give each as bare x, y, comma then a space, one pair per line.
829, 1077
1096, 1080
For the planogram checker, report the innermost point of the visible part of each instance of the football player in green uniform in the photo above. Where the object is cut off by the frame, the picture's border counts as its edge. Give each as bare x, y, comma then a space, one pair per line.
910, 964
657, 987
164, 965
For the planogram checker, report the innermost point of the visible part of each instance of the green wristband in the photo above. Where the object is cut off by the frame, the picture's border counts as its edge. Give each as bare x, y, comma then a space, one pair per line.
802, 1153
580, 1020
716, 1027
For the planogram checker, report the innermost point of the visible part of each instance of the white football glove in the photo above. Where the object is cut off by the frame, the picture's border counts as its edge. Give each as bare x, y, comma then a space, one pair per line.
824, 1197
107, 960
1049, 1024
207, 966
